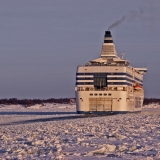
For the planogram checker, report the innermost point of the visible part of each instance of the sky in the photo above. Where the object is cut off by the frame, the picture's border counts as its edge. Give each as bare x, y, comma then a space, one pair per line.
43, 42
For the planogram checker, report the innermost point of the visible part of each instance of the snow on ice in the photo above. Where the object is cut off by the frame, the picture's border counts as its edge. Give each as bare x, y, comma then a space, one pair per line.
55, 131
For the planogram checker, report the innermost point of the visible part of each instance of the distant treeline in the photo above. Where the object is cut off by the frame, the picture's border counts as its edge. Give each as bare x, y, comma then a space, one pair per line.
151, 100
29, 102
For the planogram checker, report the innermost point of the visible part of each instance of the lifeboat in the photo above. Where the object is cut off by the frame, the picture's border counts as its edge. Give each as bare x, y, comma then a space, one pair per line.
138, 87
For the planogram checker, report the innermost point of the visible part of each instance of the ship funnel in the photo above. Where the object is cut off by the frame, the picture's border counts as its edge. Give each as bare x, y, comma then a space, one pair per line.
108, 48
107, 34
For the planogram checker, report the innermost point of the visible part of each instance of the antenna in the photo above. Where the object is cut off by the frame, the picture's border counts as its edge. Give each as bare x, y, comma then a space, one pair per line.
122, 55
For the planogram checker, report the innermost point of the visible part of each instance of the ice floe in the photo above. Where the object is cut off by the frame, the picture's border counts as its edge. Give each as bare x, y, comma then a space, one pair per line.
50, 132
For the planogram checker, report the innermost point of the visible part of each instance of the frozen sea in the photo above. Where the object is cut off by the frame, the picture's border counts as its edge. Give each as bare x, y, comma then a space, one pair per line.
55, 131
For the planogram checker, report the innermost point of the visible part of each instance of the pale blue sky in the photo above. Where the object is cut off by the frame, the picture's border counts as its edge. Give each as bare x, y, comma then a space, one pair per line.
43, 41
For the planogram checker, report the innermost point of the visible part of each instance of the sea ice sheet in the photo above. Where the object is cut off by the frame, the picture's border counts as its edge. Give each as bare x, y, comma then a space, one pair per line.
31, 136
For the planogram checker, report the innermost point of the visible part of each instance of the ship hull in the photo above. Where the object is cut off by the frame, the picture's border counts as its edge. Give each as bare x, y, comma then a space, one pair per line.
119, 102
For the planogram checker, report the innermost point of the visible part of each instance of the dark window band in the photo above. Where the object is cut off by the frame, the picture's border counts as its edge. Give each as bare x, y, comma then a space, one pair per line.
109, 83
84, 83
105, 74
84, 78
138, 79
119, 83
108, 41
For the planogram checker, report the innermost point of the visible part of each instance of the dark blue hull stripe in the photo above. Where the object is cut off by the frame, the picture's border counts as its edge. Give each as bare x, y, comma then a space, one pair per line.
118, 83
108, 78
107, 73
118, 74
84, 83
85, 78
108, 83
138, 79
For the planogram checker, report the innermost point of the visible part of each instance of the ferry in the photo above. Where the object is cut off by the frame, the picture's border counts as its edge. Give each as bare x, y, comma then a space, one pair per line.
109, 84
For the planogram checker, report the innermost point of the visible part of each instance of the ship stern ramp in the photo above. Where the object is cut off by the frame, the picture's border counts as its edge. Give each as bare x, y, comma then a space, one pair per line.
95, 104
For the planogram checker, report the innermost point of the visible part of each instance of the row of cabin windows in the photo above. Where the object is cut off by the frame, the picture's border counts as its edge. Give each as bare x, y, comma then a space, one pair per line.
100, 94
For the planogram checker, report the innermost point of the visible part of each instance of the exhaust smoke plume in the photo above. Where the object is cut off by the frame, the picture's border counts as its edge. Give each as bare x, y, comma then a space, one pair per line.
118, 22
130, 16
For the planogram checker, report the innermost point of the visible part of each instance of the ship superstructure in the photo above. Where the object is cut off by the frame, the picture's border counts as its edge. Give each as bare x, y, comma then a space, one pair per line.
108, 83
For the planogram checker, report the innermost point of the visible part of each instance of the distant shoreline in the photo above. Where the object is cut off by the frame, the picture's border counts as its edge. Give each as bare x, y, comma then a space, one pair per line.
30, 102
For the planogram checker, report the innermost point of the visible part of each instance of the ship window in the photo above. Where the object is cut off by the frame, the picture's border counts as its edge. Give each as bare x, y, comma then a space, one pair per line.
100, 94
104, 94
95, 94
125, 88
100, 80
110, 88
109, 94
91, 94
87, 82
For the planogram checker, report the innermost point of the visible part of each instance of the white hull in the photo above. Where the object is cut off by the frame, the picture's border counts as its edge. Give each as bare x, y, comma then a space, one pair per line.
118, 102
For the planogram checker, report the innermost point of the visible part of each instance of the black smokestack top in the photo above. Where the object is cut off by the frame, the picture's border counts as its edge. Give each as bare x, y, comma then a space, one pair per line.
108, 37
107, 34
